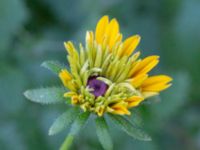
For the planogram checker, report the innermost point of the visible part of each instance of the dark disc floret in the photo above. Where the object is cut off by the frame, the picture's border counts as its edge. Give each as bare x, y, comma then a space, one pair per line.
98, 87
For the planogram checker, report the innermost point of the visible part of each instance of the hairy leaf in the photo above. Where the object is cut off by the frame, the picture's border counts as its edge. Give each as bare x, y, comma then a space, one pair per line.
79, 123
46, 95
103, 133
64, 120
53, 66
129, 128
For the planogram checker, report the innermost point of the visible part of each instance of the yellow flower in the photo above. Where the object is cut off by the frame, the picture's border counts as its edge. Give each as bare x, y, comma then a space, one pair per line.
106, 75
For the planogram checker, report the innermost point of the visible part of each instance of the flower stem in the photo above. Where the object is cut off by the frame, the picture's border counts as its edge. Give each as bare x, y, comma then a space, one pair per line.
67, 143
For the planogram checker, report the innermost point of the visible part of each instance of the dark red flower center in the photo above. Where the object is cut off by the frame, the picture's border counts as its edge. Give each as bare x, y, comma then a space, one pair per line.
99, 87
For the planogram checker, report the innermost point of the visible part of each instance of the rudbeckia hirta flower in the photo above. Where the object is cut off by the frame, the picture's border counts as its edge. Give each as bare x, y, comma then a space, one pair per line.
107, 75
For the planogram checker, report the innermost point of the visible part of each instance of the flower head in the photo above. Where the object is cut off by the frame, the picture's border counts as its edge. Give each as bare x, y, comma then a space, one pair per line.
106, 75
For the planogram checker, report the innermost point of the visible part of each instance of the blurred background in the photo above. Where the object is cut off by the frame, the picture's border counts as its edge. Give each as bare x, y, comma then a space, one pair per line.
32, 31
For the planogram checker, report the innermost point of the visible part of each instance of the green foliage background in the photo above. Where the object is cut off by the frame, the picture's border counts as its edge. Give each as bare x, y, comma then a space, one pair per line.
32, 31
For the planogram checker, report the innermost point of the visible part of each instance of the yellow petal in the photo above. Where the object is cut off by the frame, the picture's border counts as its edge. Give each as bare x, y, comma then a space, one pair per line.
112, 32
130, 45
156, 83
146, 61
119, 38
116, 46
145, 65
138, 80
149, 67
134, 104
134, 98
149, 94
120, 109
65, 76
134, 67
101, 29
156, 87
134, 101
157, 79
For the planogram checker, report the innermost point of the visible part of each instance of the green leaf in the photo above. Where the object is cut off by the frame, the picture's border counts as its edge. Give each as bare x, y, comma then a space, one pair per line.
64, 120
103, 133
46, 95
79, 123
53, 66
76, 127
129, 128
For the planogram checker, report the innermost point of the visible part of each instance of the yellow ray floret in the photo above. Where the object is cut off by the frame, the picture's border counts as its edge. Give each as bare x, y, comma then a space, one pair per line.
65, 76
156, 83
144, 66
138, 80
101, 29
134, 101
129, 45
120, 108
149, 94
107, 32
112, 32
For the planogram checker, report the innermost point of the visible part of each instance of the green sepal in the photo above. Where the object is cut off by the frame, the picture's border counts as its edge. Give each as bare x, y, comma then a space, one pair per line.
128, 127
49, 95
64, 120
103, 133
53, 66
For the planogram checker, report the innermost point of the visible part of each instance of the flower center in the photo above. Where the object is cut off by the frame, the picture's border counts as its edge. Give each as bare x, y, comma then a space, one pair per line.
98, 86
